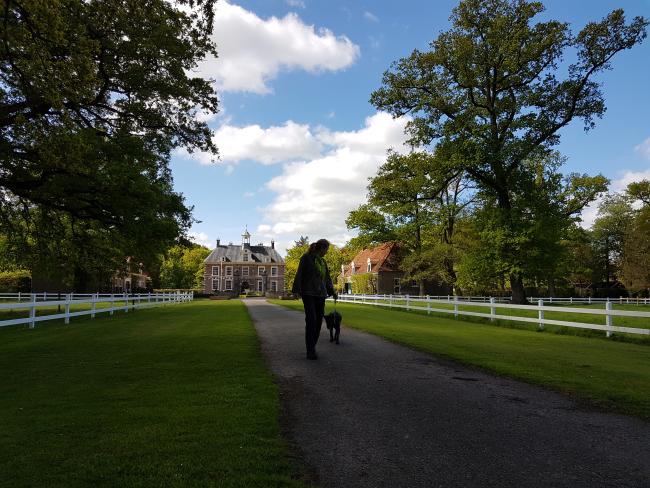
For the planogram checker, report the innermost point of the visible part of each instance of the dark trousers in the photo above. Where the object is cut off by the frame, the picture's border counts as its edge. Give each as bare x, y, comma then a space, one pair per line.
314, 311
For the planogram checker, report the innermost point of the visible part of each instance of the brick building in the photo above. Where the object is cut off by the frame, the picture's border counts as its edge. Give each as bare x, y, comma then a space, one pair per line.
234, 269
381, 268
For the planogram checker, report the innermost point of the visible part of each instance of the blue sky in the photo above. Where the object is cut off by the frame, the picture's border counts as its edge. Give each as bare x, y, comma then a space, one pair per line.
298, 138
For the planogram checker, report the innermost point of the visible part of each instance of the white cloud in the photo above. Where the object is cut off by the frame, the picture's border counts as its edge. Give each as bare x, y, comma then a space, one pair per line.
370, 16
268, 146
253, 50
590, 212
275, 144
644, 148
296, 3
314, 197
249, 194
201, 238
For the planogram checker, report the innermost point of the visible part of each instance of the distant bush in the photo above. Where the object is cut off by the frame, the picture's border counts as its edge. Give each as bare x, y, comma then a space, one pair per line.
15, 281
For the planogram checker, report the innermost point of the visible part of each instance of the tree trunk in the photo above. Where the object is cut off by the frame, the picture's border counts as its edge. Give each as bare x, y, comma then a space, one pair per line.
518, 291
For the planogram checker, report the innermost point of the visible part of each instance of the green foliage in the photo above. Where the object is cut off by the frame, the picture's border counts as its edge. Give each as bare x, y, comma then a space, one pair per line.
333, 258
182, 267
155, 395
488, 94
291, 262
640, 190
15, 281
635, 269
364, 283
95, 97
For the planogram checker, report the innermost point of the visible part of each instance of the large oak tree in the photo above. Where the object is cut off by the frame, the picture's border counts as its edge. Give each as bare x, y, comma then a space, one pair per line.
493, 91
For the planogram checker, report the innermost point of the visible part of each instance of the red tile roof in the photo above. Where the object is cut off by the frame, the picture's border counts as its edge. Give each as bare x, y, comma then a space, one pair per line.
383, 257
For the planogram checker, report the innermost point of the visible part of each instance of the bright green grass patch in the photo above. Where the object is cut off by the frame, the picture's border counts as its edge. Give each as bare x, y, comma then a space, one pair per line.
608, 374
168, 396
638, 322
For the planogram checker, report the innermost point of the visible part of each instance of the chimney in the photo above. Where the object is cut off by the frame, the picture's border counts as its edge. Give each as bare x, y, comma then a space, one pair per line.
272, 244
218, 241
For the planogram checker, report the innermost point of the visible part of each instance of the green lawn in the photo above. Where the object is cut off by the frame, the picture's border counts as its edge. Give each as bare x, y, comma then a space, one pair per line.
168, 396
18, 313
637, 322
608, 374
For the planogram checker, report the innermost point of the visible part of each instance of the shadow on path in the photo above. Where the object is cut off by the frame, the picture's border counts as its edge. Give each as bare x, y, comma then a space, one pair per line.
370, 413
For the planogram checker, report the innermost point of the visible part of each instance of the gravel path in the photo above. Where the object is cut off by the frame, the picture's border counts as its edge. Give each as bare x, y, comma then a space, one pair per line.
369, 413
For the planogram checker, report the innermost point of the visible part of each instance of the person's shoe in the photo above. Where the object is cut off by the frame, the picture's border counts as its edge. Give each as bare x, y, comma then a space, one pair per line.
312, 355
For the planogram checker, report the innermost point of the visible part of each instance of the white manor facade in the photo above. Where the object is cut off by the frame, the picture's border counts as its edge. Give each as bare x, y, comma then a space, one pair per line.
231, 270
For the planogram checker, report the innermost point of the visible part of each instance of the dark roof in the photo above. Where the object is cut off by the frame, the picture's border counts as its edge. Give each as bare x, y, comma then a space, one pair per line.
235, 253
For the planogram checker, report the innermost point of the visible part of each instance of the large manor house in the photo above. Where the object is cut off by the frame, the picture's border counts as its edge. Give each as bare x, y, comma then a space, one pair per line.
233, 269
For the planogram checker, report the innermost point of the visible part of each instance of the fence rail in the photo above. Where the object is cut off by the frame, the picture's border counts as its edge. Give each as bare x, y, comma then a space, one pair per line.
125, 302
570, 300
428, 304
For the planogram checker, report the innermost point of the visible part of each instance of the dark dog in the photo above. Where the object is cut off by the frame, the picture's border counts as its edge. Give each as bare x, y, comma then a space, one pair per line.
333, 321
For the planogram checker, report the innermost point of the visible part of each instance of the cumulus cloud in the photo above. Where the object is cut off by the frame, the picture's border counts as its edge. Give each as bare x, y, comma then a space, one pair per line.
253, 50
267, 146
201, 238
313, 197
271, 145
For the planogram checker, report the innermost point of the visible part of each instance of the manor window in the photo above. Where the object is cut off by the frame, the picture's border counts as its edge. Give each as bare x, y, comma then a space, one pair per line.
228, 270
274, 270
244, 271
215, 270
228, 285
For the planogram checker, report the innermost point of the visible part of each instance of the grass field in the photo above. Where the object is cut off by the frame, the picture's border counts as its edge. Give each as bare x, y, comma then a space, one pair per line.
611, 375
169, 396
638, 322
18, 313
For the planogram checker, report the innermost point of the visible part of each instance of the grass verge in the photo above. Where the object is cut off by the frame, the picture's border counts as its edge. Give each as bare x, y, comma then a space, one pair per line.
614, 376
170, 396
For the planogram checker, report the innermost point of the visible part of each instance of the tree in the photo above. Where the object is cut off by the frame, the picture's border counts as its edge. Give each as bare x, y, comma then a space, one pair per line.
488, 93
334, 258
94, 97
182, 266
635, 262
609, 232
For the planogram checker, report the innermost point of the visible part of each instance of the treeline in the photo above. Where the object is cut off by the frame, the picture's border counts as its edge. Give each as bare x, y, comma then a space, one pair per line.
481, 201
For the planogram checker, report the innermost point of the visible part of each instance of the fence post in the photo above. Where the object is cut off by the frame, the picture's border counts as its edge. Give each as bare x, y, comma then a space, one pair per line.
111, 299
32, 313
455, 306
390, 301
126, 303
428, 305
610, 319
540, 314
408, 303
589, 299
94, 304
493, 309
570, 299
67, 308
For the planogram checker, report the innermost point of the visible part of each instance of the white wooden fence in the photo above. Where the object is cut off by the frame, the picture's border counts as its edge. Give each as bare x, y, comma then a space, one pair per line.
428, 304
33, 301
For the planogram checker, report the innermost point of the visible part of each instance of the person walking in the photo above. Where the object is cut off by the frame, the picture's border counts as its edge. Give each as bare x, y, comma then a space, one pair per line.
314, 284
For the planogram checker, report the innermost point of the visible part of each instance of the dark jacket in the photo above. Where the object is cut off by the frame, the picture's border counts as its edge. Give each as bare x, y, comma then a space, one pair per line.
308, 281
